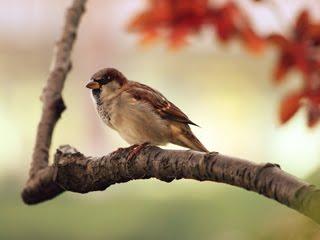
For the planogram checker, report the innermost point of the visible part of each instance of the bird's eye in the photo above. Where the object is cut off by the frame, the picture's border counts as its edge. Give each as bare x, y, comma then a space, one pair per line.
104, 80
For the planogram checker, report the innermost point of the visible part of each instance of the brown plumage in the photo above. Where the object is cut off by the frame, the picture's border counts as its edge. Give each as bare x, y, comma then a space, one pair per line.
139, 113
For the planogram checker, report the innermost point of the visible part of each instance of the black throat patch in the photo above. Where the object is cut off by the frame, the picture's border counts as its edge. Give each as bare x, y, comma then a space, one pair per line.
96, 95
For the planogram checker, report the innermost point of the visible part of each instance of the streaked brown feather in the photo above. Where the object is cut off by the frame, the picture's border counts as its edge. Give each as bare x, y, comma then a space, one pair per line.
163, 106
183, 136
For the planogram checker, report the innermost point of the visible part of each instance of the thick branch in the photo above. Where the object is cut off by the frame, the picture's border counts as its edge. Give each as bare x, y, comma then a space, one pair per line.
75, 172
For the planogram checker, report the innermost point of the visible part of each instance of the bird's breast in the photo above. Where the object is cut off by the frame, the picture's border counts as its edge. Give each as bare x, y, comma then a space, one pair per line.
105, 113
136, 122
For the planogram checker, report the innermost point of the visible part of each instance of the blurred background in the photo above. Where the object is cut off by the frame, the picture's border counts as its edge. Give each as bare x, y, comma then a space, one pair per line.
223, 88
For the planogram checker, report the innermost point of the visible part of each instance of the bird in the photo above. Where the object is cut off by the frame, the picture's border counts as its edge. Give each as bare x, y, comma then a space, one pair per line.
139, 113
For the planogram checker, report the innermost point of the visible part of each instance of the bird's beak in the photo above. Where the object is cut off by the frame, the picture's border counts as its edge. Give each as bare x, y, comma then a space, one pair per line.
93, 85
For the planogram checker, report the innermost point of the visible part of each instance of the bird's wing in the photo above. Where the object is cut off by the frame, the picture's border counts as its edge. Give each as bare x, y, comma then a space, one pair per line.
163, 106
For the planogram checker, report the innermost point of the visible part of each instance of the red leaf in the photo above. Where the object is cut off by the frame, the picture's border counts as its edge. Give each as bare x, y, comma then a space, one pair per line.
252, 41
289, 106
278, 40
148, 37
178, 37
314, 34
224, 21
196, 7
301, 56
284, 64
302, 25
313, 114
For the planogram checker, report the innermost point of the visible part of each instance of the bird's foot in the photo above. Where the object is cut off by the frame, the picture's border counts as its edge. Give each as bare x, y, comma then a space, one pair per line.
136, 149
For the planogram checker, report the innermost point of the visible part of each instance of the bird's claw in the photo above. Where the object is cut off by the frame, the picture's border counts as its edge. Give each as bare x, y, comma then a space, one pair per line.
136, 149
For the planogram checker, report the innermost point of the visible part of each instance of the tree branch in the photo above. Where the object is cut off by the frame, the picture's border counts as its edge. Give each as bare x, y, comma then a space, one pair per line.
53, 104
75, 172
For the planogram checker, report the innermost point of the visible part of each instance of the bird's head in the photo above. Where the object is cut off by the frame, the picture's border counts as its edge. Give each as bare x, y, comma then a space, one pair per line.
105, 83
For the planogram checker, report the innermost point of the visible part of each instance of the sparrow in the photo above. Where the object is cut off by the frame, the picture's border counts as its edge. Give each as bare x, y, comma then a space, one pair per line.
140, 114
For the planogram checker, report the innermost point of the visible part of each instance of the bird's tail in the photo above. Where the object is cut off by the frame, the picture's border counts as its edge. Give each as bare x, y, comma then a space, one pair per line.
187, 139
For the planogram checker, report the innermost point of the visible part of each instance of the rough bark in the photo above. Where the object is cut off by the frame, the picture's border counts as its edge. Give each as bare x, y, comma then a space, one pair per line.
75, 172
53, 104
